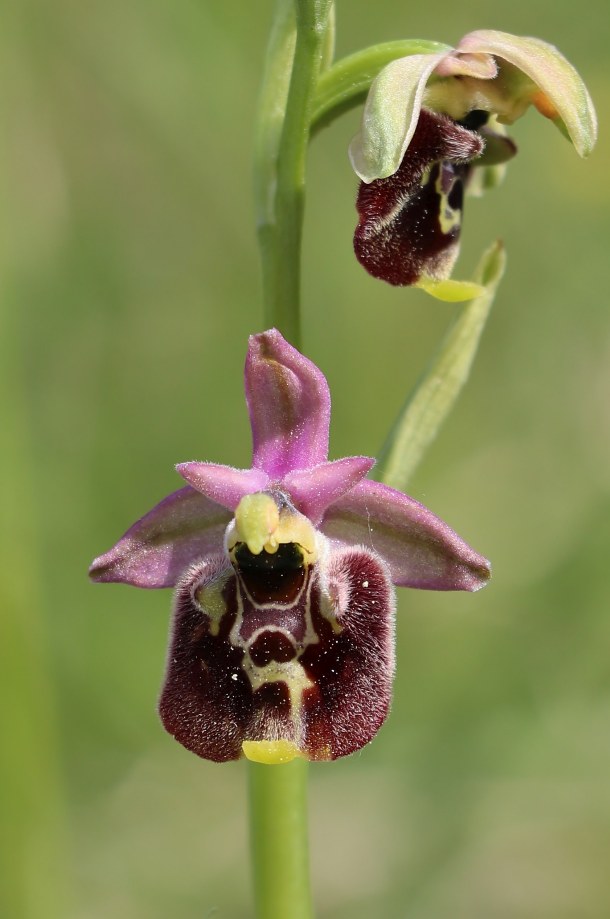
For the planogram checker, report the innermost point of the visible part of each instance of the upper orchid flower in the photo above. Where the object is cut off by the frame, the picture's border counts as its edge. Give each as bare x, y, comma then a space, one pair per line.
428, 119
283, 620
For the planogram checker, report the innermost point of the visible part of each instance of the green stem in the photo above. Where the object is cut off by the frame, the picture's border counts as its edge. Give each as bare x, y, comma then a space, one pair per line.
299, 48
269, 127
281, 151
278, 821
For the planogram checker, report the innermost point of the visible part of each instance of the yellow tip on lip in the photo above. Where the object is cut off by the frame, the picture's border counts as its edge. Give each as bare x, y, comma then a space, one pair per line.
449, 290
270, 752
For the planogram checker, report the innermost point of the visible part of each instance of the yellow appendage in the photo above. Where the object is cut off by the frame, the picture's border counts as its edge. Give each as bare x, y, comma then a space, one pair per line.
270, 752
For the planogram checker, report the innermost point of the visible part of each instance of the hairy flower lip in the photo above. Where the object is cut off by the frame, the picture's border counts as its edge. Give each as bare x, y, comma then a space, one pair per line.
409, 223
306, 663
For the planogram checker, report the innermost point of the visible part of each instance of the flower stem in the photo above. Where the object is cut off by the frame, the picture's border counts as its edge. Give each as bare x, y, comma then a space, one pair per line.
278, 821
300, 45
299, 36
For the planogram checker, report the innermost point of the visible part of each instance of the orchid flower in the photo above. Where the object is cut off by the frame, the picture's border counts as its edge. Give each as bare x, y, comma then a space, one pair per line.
282, 641
429, 120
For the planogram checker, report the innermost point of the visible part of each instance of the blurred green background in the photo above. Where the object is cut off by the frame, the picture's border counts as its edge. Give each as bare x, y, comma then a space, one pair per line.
130, 282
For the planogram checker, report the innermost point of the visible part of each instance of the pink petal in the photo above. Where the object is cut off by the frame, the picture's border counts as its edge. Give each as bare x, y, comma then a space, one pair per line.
155, 551
420, 549
223, 484
289, 405
313, 490
479, 66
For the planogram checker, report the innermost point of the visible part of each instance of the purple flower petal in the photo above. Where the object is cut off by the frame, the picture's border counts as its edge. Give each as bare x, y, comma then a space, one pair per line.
289, 405
155, 551
420, 549
223, 484
313, 490
409, 224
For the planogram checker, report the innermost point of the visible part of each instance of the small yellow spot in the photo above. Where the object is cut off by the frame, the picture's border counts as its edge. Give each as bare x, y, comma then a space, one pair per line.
212, 603
448, 217
270, 752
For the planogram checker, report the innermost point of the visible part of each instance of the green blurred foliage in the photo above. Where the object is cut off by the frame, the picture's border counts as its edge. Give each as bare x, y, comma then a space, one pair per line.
129, 279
